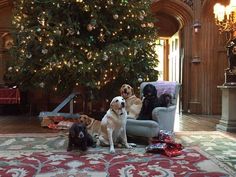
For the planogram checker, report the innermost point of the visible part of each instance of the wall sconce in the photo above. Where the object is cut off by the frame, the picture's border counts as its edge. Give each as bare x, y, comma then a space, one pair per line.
7, 40
196, 26
196, 60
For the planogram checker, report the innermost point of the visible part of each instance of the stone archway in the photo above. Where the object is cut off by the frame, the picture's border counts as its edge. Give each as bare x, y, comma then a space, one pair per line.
177, 16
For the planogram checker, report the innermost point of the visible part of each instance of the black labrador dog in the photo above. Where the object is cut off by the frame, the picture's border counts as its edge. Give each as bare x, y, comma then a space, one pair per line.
151, 101
165, 100
79, 138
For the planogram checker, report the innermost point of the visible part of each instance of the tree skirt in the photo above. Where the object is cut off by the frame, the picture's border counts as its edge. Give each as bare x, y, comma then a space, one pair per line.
45, 155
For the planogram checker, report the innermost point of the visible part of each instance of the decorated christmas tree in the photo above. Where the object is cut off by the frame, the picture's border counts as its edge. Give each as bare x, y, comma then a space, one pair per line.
98, 44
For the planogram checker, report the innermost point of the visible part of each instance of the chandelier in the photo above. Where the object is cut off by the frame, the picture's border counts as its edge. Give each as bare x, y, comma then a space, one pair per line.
225, 16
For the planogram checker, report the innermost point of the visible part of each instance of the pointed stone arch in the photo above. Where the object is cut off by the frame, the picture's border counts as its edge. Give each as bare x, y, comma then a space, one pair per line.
181, 11
183, 15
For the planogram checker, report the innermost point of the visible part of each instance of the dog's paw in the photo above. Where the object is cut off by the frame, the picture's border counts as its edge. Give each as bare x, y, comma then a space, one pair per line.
112, 150
133, 144
128, 146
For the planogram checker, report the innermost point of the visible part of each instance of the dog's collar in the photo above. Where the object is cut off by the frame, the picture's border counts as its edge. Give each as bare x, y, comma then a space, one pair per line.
116, 112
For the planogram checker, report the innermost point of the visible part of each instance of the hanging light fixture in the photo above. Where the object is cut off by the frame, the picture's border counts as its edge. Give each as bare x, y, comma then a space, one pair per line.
225, 16
225, 19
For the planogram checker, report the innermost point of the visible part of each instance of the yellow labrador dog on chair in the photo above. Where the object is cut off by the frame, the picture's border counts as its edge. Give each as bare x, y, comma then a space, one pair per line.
133, 103
113, 125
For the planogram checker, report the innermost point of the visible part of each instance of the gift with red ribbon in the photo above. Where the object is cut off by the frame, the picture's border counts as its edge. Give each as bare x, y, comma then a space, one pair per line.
165, 144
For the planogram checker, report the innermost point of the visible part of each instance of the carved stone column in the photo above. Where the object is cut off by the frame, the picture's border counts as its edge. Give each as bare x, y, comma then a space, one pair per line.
228, 116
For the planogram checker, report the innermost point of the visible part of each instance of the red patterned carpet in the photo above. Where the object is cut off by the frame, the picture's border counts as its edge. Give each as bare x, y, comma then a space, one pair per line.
44, 155
98, 162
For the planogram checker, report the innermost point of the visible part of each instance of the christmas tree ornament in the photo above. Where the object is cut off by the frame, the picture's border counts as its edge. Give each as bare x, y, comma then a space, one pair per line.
24, 15
151, 25
140, 79
91, 38
44, 51
135, 52
115, 17
86, 8
110, 2
105, 57
124, 1
143, 25
89, 55
90, 27
38, 29
141, 17
42, 84
70, 32
93, 22
121, 51
58, 32
10, 69
29, 55
101, 37
126, 69
42, 18
143, 13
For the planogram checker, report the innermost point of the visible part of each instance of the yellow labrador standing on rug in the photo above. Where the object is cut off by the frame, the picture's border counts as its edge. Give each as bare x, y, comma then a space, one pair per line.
133, 103
113, 125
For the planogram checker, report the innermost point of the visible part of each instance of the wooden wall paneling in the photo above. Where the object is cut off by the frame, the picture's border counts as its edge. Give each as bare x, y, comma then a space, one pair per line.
183, 13
166, 61
205, 48
196, 67
186, 86
5, 3
195, 105
214, 54
196, 74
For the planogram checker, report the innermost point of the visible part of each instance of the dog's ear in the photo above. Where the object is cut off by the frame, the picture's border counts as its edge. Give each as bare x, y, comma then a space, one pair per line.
112, 105
121, 88
88, 122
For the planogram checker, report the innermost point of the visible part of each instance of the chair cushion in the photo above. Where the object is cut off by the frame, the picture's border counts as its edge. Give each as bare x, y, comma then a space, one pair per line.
145, 128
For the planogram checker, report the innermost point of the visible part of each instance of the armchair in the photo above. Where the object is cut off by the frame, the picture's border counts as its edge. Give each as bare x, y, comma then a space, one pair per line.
163, 117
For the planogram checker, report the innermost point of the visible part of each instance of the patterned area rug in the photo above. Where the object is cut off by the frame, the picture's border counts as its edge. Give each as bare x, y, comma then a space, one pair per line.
27, 155
220, 146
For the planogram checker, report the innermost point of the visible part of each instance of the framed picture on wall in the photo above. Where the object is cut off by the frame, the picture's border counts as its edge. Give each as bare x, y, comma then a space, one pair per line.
7, 41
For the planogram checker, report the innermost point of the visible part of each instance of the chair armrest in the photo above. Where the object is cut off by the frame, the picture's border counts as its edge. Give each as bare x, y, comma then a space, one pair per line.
143, 128
165, 117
